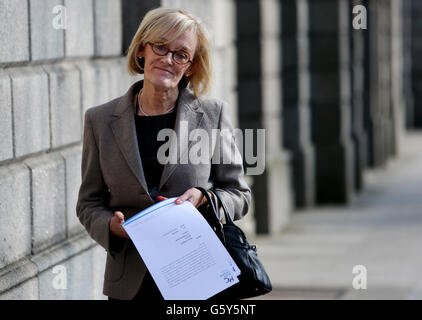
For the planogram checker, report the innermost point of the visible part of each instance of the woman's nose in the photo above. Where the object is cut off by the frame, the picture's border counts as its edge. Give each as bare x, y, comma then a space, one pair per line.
168, 58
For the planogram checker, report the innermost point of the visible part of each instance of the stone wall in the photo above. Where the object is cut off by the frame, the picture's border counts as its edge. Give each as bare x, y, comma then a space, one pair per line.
49, 77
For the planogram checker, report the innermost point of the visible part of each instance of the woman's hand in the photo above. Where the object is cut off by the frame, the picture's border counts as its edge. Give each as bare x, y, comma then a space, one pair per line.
116, 225
193, 195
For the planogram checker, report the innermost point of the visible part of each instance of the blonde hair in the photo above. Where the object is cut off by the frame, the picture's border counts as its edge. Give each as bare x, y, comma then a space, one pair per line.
162, 22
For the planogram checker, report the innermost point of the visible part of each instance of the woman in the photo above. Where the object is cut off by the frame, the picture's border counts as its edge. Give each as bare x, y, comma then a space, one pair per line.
121, 172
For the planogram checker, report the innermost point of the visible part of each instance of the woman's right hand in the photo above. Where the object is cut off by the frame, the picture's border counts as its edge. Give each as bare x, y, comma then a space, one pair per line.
116, 225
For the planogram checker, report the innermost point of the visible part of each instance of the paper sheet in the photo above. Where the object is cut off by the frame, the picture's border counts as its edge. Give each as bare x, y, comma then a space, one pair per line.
181, 251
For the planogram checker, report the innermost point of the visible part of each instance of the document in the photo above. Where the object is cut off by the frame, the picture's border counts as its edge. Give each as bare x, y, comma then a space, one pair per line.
181, 251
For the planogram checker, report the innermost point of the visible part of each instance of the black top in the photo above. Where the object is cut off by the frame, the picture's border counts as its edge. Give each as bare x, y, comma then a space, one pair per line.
147, 128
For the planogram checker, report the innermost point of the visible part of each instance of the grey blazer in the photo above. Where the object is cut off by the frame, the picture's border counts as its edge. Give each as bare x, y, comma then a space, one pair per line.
113, 178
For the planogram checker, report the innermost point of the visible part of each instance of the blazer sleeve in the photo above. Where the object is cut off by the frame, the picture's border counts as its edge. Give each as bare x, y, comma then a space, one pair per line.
91, 207
228, 176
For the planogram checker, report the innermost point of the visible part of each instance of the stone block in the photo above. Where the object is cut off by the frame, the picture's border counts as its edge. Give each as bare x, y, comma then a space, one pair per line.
48, 200
119, 78
202, 9
272, 195
271, 97
219, 76
271, 56
27, 290
223, 23
279, 192
47, 40
108, 27
14, 44
270, 17
65, 104
15, 213
30, 110
224, 72
72, 159
94, 84
16, 273
272, 126
82, 277
6, 132
79, 34
302, 16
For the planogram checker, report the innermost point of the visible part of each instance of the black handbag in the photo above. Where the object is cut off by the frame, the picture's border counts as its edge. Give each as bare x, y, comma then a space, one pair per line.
253, 280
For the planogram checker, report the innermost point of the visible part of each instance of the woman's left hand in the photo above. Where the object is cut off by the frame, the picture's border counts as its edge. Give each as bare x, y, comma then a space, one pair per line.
193, 195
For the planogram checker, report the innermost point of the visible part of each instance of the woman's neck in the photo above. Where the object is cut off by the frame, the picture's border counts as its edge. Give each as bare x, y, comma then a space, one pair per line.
155, 101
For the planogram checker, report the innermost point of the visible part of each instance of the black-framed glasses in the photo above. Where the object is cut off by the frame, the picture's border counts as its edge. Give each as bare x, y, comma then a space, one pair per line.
179, 56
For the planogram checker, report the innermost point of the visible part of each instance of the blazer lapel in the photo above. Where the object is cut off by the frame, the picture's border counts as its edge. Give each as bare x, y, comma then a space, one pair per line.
124, 129
188, 118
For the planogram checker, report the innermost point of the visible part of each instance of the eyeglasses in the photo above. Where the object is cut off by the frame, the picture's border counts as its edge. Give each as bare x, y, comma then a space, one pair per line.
180, 56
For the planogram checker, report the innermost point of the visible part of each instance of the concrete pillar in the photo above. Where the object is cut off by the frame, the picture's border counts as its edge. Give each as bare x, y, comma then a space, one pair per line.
380, 113
398, 101
376, 104
416, 61
367, 84
407, 62
260, 105
385, 73
359, 136
249, 92
330, 100
296, 94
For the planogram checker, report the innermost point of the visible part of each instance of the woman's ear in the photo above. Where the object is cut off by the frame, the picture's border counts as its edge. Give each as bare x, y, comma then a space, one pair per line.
191, 70
141, 53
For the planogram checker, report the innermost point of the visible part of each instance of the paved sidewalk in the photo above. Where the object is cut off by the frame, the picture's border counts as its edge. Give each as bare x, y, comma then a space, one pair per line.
381, 229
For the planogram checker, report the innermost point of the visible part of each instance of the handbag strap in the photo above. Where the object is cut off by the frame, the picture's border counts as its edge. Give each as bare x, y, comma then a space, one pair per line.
215, 222
229, 220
